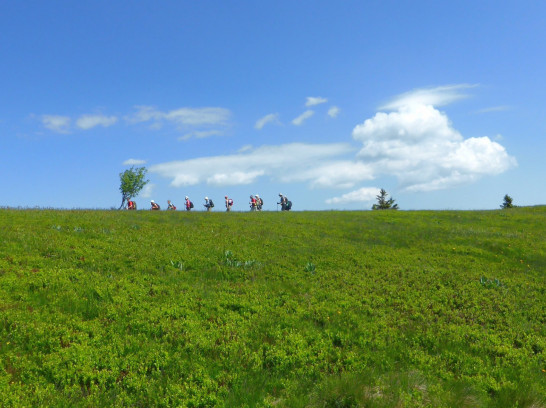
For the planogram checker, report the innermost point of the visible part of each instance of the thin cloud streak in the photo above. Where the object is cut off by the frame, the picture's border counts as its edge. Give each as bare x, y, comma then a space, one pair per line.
303, 117
271, 118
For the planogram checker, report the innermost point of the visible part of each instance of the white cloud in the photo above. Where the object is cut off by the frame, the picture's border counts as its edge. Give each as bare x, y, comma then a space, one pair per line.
312, 101
181, 117
271, 118
303, 117
333, 111
418, 144
365, 194
86, 122
202, 134
148, 190
500, 108
56, 123
134, 162
309, 162
332, 174
439, 96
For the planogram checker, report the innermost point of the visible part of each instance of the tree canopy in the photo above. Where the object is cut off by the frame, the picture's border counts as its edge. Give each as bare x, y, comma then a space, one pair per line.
383, 203
507, 202
131, 183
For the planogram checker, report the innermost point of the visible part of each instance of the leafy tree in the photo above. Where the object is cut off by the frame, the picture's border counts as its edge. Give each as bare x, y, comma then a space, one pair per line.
132, 181
507, 202
383, 203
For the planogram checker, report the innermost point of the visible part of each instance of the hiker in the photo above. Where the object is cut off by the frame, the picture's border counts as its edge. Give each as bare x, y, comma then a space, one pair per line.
170, 206
252, 203
286, 204
208, 204
131, 205
155, 206
259, 202
229, 203
189, 204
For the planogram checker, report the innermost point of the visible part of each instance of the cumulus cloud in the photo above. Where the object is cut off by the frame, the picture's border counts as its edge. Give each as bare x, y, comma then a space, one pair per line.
86, 122
315, 100
303, 117
181, 117
365, 194
56, 123
333, 111
271, 118
308, 161
417, 144
134, 162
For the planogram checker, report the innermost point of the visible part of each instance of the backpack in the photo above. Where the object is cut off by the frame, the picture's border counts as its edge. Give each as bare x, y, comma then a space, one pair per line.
230, 201
211, 203
289, 205
261, 201
191, 204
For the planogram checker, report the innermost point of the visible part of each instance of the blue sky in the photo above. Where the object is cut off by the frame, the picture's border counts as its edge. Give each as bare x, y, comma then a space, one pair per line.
439, 103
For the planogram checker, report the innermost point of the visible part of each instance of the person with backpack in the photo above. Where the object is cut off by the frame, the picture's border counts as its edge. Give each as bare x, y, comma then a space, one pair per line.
155, 206
131, 205
259, 202
189, 204
170, 206
252, 203
229, 203
208, 204
285, 203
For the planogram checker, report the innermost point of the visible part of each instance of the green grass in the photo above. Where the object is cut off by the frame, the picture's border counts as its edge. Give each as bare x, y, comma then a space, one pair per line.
304, 309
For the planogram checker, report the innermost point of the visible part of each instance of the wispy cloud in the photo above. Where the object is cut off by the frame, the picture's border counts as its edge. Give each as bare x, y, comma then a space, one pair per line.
271, 118
307, 161
333, 111
315, 100
438, 96
365, 194
148, 190
134, 162
56, 123
182, 116
500, 108
86, 122
202, 134
303, 117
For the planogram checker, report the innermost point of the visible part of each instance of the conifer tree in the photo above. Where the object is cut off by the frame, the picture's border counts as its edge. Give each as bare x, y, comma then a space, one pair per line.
507, 202
383, 203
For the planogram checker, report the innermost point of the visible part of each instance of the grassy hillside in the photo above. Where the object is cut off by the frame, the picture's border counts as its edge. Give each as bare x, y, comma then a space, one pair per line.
307, 309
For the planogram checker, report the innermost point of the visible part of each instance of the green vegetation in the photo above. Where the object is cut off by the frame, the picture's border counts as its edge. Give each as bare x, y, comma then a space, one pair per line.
507, 203
383, 203
305, 309
131, 182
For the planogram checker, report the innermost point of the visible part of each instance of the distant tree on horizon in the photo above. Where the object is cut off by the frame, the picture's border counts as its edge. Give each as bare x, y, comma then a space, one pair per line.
383, 203
131, 182
507, 202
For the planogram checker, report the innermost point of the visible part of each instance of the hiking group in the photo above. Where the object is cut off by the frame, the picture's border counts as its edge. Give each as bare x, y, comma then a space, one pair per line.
256, 204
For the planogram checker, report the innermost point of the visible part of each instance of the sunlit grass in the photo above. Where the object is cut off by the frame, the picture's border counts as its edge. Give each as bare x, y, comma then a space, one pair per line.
310, 309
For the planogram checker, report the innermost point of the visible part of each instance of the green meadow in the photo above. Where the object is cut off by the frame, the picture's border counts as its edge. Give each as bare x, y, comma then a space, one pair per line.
302, 309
